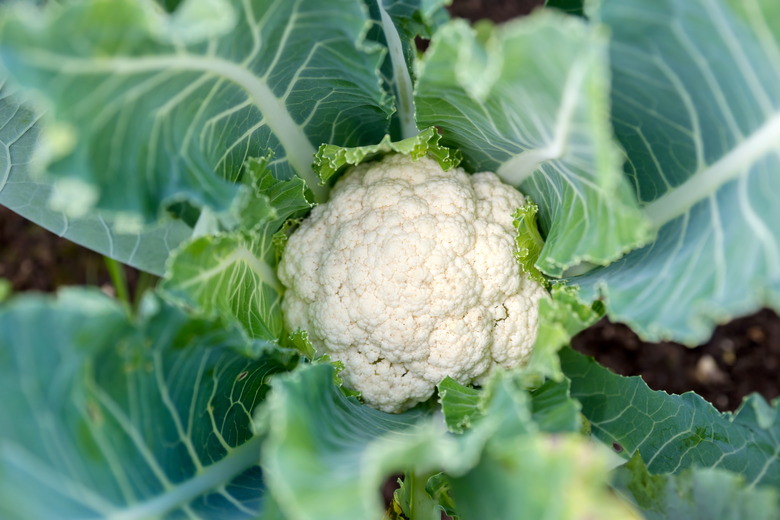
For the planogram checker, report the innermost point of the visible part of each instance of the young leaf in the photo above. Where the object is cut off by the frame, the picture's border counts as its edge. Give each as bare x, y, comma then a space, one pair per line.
155, 111
106, 418
330, 159
560, 317
551, 409
529, 242
696, 106
675, 432
695, 494
230, 275
269, 202
540, 120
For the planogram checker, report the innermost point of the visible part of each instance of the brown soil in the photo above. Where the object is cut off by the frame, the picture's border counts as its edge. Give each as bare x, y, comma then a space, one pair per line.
495, 10
34, 259
742, 357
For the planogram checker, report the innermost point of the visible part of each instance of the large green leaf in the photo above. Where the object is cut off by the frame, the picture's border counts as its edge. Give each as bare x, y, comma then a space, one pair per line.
696, 106
148, 108
104, 417
695, 494
327, 455
675, 432
29, 196
529, 100
560, 477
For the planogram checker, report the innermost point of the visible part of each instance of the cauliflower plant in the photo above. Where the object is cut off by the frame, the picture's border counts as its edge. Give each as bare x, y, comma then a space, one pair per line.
407, 275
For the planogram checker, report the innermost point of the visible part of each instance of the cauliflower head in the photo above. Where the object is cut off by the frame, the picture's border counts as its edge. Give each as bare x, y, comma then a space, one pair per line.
407, 275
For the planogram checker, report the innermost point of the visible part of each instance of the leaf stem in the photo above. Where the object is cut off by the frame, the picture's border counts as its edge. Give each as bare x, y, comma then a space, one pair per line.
117, 274
403, 80
421, 505
146, 281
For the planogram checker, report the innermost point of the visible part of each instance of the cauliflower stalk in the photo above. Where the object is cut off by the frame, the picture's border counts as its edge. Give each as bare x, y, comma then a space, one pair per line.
407, 275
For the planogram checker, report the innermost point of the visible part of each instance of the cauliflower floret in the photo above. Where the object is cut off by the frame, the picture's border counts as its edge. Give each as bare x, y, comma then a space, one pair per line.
407, 275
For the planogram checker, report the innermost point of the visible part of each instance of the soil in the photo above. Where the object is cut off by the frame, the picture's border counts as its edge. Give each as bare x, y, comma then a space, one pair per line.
495, 10
34, 259
742, 357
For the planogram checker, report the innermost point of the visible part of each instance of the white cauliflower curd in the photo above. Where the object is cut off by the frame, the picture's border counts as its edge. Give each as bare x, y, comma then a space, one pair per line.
407, 275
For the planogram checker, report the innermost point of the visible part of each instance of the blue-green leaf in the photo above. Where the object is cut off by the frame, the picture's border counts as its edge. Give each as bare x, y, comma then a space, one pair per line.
150, 108
675, 432
396, 25
695, 494
29, 196
105, 417
541, 121
697, 109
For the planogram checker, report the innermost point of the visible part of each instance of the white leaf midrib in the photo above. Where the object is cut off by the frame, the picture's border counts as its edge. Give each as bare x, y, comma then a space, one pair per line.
291, 135
403, 80
241, 254
707, 181
211, 477
518, 168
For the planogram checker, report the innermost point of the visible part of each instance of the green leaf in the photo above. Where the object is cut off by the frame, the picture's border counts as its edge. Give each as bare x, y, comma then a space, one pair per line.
553, 408
104, 417
460, 404
233, 274
269, 202
29, 196
561, 316
539, 120
326, 455
696, 106
330, 159
675, 432
574, 7
438, 487
150, 111
695, 494
562, 477
529, 242
229, 275
5, 289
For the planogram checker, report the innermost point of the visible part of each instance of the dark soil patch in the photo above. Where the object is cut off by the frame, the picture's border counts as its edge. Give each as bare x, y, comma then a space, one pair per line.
495, 10
742, 357
34, 259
